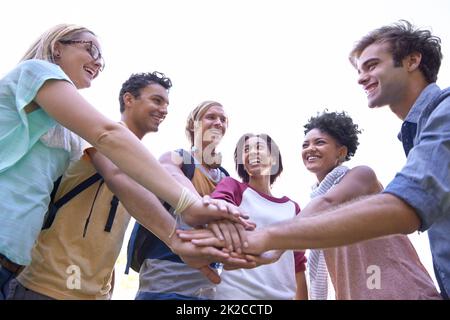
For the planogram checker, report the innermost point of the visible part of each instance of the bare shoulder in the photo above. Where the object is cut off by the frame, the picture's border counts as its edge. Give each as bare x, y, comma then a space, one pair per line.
171, 158
363, 171
366, 175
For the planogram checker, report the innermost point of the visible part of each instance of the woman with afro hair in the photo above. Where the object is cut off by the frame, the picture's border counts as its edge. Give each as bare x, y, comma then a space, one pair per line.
383, 268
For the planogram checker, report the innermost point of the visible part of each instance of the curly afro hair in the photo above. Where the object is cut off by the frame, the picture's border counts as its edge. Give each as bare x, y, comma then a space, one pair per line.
338, 125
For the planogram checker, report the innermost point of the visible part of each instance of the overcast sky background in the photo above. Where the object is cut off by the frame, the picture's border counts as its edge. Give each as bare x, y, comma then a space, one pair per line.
272, 64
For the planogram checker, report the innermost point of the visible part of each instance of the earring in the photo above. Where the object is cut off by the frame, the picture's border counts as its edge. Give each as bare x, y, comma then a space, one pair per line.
338, 161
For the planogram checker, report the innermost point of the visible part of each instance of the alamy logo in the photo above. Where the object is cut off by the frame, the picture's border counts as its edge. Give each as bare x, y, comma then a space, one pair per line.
374, 279
73, 282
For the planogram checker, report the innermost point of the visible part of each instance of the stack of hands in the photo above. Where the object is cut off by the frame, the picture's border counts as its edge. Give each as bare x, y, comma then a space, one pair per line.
230, 240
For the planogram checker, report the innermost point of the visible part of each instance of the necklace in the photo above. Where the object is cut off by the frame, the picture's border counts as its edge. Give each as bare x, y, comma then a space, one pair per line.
214, 175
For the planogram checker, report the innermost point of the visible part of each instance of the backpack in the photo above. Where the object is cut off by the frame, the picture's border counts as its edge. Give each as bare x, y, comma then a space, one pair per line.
142, 241
54, 206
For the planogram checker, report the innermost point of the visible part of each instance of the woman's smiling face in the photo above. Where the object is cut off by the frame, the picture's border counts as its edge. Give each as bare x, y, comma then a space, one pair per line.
321, 153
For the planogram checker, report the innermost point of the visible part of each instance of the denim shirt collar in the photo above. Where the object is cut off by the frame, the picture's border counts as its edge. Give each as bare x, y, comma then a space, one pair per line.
425, 97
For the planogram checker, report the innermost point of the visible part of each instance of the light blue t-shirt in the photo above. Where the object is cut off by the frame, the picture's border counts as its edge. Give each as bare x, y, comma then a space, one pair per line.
28, 166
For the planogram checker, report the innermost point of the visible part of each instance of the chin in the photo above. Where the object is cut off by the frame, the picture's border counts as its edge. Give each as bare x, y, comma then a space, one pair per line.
151, 128
85, 85
375, 106
373, 103
312, 169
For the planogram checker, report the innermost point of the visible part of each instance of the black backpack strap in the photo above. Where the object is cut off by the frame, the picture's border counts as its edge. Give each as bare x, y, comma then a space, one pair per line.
141, 239
55, 188
188, 165
132, 250
54, 206
112, 214
225, 172
79, 188
50, 215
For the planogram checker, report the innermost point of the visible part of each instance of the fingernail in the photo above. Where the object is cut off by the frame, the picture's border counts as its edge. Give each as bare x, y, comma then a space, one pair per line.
245, 244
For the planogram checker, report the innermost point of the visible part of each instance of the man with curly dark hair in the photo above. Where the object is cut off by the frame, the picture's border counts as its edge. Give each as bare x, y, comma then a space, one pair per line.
398, 66
362, 270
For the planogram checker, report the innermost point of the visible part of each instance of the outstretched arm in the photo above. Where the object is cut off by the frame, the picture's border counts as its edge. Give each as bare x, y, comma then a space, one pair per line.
366, 218
62, 101
359, 181
336, 220
350, 212
148, 210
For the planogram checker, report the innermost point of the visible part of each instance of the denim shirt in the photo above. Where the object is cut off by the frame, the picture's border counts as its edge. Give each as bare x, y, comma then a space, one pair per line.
424, 182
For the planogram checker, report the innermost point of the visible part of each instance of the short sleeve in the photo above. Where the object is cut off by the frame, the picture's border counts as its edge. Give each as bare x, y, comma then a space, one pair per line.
85, 147
297, 208
299, 256
300, 261
229, 190
29, 76
20, 131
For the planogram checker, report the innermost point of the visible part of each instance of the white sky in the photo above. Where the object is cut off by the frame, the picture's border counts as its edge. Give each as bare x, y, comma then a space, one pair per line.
272, 64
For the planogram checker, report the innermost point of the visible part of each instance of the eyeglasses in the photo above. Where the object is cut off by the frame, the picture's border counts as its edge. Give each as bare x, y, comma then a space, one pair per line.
162, 79
93, 50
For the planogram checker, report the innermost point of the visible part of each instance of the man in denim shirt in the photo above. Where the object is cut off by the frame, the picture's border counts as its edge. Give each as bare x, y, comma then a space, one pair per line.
398, 67
408, 87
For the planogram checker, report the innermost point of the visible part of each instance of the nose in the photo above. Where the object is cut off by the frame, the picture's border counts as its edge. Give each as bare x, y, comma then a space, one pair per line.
308, 149
218, 122
99, 65
253, 151
363, 78
163, 109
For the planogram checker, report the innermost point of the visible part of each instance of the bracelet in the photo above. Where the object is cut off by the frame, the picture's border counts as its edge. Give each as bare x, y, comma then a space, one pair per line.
174, 226
186, 200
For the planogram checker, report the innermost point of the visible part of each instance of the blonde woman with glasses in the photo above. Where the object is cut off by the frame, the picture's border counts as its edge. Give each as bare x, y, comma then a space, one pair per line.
41, 116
